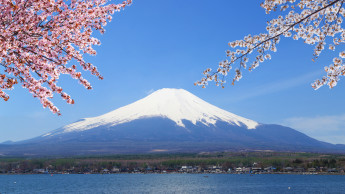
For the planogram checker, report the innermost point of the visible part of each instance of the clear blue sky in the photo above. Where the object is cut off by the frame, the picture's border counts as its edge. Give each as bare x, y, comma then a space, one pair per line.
167, 44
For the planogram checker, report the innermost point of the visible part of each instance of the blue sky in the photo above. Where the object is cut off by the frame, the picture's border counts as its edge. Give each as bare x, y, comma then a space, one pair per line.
167, 44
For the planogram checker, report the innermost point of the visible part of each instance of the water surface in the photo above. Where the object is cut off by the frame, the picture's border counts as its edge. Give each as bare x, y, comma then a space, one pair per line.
171, 183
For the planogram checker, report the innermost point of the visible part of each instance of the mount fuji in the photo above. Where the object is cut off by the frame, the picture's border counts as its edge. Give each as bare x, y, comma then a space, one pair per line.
168, 120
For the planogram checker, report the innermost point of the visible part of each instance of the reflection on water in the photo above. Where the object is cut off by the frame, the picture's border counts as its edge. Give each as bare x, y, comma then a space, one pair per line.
171, 183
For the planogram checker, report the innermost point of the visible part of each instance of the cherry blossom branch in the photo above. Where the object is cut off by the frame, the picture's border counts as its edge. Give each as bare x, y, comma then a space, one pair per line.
304, 25
38, 39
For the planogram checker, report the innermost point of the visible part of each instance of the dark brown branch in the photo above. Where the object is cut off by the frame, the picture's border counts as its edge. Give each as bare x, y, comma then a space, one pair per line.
291, 26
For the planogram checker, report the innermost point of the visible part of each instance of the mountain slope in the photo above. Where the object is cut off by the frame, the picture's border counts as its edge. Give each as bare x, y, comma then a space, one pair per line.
171, 120
174, 104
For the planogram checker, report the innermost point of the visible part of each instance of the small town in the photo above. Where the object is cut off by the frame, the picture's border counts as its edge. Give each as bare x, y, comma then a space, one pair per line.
254, 169
193, 163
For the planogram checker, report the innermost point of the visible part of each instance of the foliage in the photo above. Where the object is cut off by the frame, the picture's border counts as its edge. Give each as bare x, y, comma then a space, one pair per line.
39, 38
316, 22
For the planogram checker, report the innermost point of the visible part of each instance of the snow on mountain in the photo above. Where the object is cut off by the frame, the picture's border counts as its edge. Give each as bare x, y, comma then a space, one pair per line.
174, 104
173, 120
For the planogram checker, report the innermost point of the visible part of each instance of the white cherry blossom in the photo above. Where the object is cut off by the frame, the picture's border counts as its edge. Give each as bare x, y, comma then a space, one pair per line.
315, 22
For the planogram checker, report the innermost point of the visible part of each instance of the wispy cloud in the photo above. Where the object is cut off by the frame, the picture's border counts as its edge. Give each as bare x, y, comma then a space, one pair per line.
326, 128
280, 85
149, 92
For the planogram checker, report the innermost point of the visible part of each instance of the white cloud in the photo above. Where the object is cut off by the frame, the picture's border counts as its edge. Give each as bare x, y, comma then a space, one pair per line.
149, 92
277, 86
325, 128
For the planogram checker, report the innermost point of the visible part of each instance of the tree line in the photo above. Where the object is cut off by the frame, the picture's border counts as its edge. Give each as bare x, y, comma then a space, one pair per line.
170, 162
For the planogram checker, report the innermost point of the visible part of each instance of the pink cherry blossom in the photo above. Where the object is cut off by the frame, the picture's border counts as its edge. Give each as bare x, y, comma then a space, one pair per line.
40, 38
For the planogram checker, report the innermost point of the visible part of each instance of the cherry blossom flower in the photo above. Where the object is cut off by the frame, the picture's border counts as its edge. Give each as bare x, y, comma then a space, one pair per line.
40, 38
316, 22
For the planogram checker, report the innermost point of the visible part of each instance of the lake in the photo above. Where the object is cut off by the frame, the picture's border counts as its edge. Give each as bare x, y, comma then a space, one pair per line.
171, 183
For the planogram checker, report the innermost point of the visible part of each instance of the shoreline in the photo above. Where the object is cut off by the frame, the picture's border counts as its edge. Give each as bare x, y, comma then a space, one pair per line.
251, 174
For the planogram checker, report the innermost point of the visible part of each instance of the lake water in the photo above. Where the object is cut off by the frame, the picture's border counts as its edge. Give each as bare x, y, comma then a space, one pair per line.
171, 183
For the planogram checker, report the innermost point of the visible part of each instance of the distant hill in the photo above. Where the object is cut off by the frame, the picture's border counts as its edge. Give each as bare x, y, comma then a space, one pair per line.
168, 120
8, 142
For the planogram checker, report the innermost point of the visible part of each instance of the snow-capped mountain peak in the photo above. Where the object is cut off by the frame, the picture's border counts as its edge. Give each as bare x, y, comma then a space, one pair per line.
174, 104
164, 121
